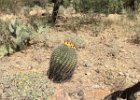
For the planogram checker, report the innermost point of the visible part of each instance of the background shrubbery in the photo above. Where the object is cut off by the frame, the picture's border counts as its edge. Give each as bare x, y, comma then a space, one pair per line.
103, 6
88, 10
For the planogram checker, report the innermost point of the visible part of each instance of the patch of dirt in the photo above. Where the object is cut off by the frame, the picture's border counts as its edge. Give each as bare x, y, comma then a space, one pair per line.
106, 63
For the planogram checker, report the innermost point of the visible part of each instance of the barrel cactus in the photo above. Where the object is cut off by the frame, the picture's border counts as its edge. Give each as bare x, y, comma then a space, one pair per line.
63, 62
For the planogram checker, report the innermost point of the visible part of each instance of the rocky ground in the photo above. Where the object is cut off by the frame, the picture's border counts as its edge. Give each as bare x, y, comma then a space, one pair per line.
107, 61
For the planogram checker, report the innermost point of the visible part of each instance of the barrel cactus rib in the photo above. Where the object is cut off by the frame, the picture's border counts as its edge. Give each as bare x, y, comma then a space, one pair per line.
59, 71
70, 63
63, 62
57, 58
54, 58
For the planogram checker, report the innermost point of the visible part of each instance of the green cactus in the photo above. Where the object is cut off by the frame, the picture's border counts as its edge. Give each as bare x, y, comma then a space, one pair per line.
15, 36
6, 40
22, 33
63, 62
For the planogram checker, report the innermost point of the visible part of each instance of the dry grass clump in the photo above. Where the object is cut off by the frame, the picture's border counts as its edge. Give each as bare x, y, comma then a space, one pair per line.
7, 5
136, 38
134, 28
113, 78
27, 86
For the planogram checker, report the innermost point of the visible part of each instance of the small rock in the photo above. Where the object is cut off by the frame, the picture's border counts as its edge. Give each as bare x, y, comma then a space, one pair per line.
121, 73
97, 71
60, 95
87, 64
80, 93
135, 81
87, 73
4, 96
30, 67
19, 63
77, 95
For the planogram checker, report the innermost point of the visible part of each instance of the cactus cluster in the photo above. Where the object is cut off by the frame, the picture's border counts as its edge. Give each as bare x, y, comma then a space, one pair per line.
6, 40
63, 62
15, 36
21, 31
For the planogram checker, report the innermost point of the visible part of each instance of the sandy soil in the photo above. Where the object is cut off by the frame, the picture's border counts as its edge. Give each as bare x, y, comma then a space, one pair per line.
106, 63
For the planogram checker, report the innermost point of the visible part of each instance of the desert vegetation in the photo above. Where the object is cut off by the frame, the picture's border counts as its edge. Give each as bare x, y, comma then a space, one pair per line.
107, 38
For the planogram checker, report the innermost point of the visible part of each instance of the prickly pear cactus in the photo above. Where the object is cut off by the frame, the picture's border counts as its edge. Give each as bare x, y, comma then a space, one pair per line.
21, 31
6, 41
63, 62
16, 34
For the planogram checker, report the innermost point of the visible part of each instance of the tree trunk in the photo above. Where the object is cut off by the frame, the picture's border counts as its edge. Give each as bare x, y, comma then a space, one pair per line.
56, 7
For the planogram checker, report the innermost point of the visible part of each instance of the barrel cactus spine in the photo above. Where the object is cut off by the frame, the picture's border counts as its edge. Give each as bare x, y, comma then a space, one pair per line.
63, 62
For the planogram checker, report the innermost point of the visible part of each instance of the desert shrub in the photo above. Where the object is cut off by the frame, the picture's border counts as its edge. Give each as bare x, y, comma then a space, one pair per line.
97, 28
7, 5
131, 4
13, 6
82, 5
39, 22
80, 41
26, 86
104, 6
136, 38
31, 3
66, 3
115, 6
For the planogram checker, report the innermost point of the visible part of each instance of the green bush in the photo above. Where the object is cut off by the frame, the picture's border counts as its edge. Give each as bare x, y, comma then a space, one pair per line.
7, 6
66, 3
136, 38
115, 6
83, 5
31, 3
103, 6
12, 6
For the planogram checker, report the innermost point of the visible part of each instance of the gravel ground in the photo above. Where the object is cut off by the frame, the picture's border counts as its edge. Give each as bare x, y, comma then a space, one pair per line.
106, 63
